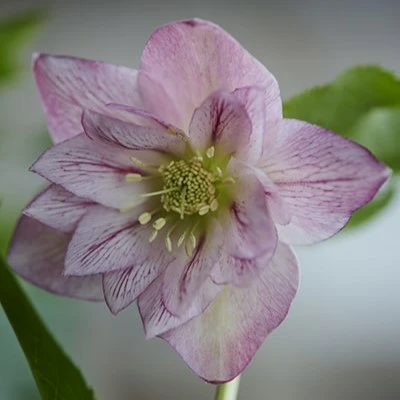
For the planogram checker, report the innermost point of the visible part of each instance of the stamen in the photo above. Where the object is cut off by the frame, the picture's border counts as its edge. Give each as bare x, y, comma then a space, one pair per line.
204, 210
159, 192
159, 223
133, 177
200, 158
188, 249
168, 244
193, 240
210, 152
219, 171
141, 164
137, 162
145, 218
229, 179
182, 238
153, 236
214, 205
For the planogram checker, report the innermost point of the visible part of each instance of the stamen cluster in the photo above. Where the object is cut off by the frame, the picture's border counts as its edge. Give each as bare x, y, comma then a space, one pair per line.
188, 187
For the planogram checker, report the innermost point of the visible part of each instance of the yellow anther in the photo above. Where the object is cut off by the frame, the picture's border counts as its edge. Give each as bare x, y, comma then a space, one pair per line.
153, 236
229, 179
159, 223
168, 244
137, 162
144, 218
188, 249
193, 240
133, 177
204, 210
182, 238
210, 152
219, 171
214, 205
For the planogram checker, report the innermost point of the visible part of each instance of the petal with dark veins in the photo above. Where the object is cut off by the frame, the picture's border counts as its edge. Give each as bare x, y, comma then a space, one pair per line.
37, 254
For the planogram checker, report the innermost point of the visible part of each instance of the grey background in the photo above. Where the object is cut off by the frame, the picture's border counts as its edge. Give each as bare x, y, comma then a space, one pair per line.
342, 337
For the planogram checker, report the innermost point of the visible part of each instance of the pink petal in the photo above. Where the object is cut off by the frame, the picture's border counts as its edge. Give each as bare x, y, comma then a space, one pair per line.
252, 99
148, 119
107, 240
121, 288
220, 121
276, 205
239, 271
155, 316
37, 254
58, 208
130, 136
185, 276
192, 59
220, 343
91, 170
322, 178
249, 227
67, 85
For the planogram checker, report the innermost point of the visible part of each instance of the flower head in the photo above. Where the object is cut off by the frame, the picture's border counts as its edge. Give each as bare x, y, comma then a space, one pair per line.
181, 186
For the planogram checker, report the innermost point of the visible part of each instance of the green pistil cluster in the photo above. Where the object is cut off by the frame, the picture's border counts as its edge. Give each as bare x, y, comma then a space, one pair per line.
188, 187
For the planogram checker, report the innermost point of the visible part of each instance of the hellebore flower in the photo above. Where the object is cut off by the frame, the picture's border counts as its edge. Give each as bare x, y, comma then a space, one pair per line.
181, 186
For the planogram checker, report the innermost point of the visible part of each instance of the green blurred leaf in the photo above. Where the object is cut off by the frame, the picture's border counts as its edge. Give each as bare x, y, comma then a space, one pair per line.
14, 32
57, 378
363, 104
340, 105
379, 131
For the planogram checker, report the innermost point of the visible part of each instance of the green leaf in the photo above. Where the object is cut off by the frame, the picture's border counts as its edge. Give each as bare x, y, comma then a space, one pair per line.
340, 105
57, 378
379, 131
14, 32
363, 104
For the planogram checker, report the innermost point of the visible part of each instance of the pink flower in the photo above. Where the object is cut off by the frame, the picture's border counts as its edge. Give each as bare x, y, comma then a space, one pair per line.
181, 186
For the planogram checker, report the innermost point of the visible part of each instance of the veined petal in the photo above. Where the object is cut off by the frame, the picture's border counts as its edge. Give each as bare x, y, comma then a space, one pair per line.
277, 208
192, 59
250, 229
37, 254
58, 208
218, 344
186, 275
239, 271
322, 178
252, 99
155, 316
92, 170
149, 118
221, 121
67, 85
107, 240
130, 136
121, 288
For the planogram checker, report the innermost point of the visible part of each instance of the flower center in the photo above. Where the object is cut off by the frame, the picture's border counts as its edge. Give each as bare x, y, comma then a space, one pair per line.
188, 187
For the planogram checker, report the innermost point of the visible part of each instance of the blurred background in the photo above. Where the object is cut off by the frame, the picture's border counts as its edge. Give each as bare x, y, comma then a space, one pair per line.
342, 337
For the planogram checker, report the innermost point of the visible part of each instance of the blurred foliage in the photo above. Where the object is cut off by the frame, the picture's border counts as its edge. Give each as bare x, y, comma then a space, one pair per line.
55, 375
362, 104
14, 32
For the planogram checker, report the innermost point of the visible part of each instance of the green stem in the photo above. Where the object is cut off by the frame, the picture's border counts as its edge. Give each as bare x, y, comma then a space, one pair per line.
228, 390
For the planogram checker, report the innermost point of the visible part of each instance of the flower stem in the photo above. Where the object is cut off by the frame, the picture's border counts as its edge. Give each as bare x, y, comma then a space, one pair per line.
228, 390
